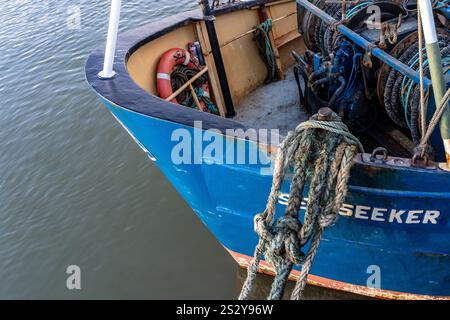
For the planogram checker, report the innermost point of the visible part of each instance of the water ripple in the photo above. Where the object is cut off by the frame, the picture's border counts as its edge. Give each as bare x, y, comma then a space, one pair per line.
74, 187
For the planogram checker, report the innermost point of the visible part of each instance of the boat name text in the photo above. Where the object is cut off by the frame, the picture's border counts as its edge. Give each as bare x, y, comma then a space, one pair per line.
379, 214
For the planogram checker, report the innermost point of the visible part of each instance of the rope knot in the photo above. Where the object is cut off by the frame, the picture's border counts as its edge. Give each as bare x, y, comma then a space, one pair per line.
327, 220
319, 151
261, 227
285, 244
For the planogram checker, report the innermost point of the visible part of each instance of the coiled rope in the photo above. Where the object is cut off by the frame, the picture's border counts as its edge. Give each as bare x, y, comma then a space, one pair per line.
261, 36
402, 96
180, 75
326, 37
322, 152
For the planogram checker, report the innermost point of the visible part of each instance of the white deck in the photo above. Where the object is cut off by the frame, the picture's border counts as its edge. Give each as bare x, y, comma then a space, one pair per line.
272, 106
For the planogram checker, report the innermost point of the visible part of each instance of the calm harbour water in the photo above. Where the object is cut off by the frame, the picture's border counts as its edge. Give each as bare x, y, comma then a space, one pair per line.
74, 188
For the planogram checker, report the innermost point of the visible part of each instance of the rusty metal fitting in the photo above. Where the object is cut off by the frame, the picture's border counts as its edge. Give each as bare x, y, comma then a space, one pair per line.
420, 161
422, 155
379, 152
325, 114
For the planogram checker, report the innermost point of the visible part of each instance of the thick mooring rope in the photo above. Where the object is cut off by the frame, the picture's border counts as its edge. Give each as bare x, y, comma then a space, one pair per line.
322, 152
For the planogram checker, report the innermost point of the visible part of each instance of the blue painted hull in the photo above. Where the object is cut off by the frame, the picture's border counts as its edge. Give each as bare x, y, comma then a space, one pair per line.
395, 218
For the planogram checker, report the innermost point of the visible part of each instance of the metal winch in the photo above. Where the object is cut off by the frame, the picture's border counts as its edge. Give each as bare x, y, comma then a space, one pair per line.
336, 72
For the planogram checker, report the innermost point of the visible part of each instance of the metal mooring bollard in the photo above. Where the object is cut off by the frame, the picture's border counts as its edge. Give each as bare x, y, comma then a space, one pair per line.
325, 114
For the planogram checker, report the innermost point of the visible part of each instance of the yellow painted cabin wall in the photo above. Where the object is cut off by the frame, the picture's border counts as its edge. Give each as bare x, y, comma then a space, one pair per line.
143, 63
286, 28
245, 69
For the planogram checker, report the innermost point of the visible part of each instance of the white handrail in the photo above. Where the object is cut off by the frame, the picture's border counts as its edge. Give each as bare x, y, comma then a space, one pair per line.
111, 41
429, 27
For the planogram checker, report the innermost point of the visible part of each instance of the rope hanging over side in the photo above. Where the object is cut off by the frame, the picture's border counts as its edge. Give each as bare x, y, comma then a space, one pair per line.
322, 152
261, 35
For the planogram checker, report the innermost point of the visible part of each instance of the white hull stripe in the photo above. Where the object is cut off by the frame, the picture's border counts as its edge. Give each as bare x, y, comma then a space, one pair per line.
163, 76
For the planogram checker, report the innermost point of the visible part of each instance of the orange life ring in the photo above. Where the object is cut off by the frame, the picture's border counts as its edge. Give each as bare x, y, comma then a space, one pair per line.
167, 63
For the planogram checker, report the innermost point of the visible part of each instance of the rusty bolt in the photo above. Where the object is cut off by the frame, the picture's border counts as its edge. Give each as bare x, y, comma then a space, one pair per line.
325, 114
